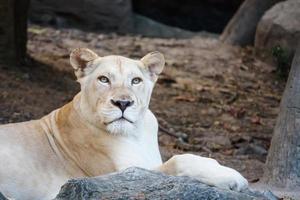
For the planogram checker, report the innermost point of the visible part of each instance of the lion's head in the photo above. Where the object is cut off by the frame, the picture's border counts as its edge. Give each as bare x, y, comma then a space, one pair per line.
115, 90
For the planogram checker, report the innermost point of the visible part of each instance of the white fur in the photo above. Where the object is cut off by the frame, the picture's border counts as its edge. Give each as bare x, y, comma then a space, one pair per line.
206, 170
86, 137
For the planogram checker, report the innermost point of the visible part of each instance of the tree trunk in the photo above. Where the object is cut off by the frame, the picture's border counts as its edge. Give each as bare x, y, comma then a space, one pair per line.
13, 30
241, 28
283, 162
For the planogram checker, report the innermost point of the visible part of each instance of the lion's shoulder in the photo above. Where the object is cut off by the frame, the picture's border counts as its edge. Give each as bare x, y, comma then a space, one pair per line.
151, 121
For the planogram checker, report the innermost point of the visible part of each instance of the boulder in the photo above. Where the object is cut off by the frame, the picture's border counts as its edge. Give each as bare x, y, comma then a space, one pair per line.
100, 15
113, 15
150, 28
280, 26
2, 197
194, 15
137, 183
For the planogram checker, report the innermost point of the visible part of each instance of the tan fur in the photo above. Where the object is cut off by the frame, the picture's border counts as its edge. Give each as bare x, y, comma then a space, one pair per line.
91, 136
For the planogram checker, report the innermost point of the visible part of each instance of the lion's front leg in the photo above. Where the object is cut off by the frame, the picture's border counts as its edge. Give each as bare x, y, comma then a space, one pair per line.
206, 170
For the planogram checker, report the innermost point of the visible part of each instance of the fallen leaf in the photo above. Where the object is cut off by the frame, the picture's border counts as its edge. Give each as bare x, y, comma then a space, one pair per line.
185, 98
256, 120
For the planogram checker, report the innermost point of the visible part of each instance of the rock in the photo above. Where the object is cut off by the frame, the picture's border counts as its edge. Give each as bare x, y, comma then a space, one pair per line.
102, 15
113, 15
280, 26
252, 149
193, 15
2, 197
137, 183
150, 28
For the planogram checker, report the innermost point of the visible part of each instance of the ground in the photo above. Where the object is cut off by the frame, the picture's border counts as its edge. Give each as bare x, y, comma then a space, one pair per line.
212, 100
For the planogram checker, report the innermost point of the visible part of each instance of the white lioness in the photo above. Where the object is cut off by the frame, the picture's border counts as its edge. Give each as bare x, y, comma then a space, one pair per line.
107, 127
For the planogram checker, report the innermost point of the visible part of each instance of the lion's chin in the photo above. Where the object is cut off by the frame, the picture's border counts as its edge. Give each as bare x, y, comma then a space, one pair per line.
121, 127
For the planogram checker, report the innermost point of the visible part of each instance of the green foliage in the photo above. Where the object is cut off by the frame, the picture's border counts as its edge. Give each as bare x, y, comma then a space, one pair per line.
283, 60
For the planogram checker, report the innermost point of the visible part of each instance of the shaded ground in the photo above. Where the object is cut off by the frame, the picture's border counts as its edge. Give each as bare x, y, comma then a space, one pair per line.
225, 99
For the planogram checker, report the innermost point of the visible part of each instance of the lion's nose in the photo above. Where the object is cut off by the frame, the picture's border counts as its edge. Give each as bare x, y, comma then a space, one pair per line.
122, 104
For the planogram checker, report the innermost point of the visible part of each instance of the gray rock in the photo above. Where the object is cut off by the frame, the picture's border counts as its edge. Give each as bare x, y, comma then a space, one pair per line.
102, 15
252, 149
137, 183
113, 15
2, 197
280, 26
150, 28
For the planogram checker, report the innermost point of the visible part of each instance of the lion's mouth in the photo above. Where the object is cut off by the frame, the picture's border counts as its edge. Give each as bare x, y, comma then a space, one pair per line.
119, 119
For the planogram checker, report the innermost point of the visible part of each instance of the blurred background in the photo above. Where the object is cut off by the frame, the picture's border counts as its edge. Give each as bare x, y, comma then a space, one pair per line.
226, 65
126, 15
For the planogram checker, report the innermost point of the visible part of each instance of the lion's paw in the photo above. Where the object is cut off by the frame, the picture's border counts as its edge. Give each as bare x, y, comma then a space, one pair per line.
228, 178
208, 171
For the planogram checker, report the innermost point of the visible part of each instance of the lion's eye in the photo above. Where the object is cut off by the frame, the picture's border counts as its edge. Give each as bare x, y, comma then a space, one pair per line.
103, 79
136, 81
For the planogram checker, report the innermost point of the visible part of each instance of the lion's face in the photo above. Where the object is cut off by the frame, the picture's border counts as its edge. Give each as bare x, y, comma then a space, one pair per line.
115, 91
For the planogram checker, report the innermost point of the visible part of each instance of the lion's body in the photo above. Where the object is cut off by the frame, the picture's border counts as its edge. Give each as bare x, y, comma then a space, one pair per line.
29, 167
40, 155
106, 128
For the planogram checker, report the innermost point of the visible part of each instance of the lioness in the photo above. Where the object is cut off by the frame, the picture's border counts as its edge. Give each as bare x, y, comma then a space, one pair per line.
106, 128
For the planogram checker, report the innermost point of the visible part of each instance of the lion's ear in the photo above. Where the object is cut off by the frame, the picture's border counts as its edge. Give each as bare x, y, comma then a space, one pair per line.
80, 59
154, 63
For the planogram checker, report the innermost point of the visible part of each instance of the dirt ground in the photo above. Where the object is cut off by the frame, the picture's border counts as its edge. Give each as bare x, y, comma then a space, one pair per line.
216, 100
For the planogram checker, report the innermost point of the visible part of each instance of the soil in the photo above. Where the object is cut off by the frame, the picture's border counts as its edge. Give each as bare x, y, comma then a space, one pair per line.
211, 100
